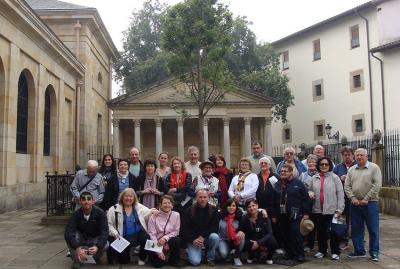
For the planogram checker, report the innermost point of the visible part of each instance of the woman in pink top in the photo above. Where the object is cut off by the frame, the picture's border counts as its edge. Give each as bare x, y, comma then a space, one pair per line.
163, 228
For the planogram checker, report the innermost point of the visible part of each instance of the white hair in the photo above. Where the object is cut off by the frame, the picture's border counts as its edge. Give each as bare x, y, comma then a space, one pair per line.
289, 149
92, 163
264, 159
193, 149
361, 150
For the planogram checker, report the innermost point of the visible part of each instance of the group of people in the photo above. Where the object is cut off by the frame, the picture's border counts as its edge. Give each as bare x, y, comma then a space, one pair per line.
204, 208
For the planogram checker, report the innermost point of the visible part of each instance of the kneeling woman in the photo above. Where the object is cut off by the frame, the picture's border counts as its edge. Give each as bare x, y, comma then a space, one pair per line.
228, 231
128, 219
164, 229
258, 231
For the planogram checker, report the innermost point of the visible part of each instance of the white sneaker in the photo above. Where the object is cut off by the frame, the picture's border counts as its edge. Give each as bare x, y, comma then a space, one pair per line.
279, 251
237, 262
318, 255
141, 263
335, 257
249, 261
270, 262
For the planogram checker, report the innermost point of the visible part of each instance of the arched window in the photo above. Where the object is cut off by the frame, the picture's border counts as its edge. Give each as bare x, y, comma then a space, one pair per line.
100, 78
47, 122
22, 115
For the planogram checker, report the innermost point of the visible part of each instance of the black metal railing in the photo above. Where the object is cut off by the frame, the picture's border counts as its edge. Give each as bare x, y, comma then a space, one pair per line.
59, 196
391, 173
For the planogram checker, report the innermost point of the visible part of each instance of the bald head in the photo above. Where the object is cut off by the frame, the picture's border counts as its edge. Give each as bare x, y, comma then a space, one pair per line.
319, 150
134, 155
91, 167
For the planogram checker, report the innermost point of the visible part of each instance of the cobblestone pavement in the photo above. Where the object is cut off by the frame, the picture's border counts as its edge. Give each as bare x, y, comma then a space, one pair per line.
25, 243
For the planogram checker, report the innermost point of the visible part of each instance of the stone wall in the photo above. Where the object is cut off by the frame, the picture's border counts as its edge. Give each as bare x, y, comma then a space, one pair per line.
390, 200
22, 196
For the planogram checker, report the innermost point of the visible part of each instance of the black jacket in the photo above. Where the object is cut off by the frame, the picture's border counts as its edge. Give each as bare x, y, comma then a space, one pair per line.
96, 226
200, 222
112, 190
297, 196
261, 231
264, 193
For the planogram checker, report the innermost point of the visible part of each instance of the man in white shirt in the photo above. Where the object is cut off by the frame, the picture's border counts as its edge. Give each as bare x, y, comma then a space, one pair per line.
193, 165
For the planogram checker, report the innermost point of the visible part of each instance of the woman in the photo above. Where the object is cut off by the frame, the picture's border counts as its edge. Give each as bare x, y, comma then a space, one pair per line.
118, 183
289, 157
244, 185
258, 231
108, 171
163, 170
326, 190
206, 181
229, 233
128, 219
164, 229
151, 186
265, 186
224, 176
177, 184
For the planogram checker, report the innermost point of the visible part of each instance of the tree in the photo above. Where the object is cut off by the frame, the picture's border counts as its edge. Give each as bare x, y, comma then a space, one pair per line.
197, 35
142, 61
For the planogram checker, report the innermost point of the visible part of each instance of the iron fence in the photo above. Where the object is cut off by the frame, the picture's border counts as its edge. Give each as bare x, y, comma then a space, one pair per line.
59, 196
391, 173
96, 152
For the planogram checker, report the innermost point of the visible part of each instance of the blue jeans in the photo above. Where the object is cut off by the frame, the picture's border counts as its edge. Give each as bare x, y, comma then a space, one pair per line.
369, 215
195, 253
225, 246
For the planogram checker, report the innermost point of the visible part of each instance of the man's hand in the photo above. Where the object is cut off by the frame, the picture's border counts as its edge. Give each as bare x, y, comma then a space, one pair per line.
343, 178
211, 194
364, 202
306, 217
355, 201
81, 254
274, 220
254, 246
172, 190
93, 250
199, 242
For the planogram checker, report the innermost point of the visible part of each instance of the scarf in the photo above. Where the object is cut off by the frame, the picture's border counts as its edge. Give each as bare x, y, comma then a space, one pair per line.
149, 199
321, 190
242, 179
230, 229
123, 176
221, 173
178, 181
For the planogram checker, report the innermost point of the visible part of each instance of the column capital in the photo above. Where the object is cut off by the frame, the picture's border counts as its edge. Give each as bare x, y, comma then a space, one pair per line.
158, 122
136, 122
247, 120
115, 122
268, 120
180, 121
226, 121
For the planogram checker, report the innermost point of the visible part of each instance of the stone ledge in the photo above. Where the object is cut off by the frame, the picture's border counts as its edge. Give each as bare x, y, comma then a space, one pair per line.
390, 200
55, 220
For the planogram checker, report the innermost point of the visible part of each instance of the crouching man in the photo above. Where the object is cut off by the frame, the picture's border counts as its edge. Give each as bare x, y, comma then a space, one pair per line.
87, 230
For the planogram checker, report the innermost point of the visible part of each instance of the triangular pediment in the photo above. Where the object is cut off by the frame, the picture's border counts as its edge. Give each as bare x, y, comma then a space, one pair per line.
174, 91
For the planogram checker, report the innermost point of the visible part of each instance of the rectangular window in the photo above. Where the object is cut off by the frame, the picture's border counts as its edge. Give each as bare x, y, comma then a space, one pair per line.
285, 61
357, 81
99, 130
320, 130
354, 37
287, 134
318, 90
359, 126
317, 50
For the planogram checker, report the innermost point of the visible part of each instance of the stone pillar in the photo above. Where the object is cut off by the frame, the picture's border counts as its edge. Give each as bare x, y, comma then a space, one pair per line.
247, 136
159, 143
268, 136
181, 145
137, 133
227, 142
115, 123
205, 140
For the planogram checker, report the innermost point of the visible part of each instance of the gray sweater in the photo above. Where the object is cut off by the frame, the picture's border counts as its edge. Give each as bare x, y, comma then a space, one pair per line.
333, 194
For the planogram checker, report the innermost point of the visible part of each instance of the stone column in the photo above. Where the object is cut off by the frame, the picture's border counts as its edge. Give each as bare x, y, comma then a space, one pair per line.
268, 136
205, 140
159, 145
137, 133
227, 142
115, 123
247, 136
181, 145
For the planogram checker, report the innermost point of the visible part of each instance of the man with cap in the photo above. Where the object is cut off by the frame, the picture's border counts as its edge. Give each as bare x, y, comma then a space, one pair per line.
206, 181
87, 231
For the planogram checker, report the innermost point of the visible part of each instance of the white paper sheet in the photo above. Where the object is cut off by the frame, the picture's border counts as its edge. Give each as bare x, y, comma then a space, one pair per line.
152, 246
273, 180
120, 244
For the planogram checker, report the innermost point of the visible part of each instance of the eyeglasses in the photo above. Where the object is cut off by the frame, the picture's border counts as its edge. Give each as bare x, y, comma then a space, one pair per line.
324, 164
289, 153
86, 197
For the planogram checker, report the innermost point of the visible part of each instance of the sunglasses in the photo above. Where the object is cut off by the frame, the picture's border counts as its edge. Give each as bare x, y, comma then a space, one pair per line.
289, 153
324, 164
86, 197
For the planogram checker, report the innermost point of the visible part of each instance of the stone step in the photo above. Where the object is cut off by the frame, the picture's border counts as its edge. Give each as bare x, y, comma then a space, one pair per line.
55, 220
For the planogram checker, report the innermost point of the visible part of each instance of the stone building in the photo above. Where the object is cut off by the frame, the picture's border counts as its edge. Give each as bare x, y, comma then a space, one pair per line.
149, 120
55, 80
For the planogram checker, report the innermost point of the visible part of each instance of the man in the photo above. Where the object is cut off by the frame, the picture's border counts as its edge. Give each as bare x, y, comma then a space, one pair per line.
319, 151
341, 171
87, 230
88, 180
201, 229
257, 155
193, 165
135, 165
362, 186
290, 205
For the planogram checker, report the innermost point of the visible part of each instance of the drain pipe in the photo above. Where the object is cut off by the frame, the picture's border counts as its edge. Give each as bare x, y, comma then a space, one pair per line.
383, 91
369, 70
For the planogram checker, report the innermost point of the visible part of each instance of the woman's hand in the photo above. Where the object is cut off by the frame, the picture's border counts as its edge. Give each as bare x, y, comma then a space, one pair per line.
264, 213
274, 220
161, 256
211, 194
240, 235
161, 242
154, 211
172, 190
254, 246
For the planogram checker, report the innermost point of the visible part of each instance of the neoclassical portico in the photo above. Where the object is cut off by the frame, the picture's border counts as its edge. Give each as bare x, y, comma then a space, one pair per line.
148, 120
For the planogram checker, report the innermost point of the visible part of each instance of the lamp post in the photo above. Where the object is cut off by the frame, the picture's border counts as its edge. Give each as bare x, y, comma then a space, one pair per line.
328, 130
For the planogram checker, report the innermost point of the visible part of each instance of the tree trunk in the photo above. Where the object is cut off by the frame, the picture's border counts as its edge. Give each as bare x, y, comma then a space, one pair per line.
201, 136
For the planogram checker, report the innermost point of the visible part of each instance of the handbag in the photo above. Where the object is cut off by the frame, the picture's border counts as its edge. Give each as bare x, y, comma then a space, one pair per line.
338, 226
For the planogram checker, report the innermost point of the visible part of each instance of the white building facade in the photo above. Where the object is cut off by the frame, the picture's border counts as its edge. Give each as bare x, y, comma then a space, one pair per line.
343, 71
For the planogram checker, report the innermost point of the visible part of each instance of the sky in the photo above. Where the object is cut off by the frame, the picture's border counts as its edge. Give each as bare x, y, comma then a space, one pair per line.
272, 19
